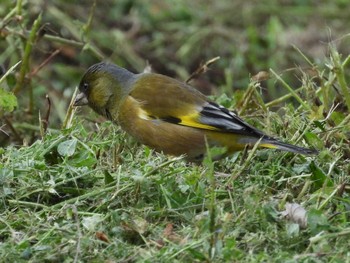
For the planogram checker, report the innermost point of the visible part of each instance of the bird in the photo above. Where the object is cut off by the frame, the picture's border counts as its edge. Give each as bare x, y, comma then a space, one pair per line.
168, 115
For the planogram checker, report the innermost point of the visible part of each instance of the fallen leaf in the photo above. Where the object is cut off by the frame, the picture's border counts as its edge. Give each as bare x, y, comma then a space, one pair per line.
296, 213
102, 236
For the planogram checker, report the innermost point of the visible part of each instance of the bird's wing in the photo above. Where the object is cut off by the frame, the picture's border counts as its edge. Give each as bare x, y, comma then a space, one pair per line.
169, 100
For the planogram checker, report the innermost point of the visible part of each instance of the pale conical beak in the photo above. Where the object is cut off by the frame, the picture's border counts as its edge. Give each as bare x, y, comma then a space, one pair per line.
80, 100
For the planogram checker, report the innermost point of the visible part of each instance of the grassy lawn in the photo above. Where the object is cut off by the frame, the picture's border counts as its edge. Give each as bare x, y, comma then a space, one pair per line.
76, 188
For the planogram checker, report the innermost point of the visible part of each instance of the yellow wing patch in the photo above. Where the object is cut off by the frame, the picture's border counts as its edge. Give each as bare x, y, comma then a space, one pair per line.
192, 121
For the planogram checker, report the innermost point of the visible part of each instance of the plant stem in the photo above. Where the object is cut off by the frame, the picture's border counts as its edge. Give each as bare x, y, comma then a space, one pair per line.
291, 91
26, 57
339, 72
19, 8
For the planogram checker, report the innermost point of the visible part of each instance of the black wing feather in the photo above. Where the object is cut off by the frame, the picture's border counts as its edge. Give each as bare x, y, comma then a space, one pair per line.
218, 116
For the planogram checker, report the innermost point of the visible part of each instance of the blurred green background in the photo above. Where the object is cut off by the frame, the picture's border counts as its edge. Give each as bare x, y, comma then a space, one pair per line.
174, 37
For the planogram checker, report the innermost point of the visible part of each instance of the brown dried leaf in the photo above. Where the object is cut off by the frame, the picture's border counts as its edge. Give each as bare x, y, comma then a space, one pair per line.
168, 230
261, 76
102, 236
201, 69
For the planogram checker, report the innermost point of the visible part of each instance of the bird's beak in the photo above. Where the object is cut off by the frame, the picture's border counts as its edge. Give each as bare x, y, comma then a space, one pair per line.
80, 100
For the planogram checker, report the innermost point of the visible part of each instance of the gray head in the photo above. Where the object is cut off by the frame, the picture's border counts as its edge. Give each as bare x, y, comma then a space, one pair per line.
102, 83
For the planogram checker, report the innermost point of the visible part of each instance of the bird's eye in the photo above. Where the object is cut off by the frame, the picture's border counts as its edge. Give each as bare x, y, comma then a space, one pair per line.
85, 86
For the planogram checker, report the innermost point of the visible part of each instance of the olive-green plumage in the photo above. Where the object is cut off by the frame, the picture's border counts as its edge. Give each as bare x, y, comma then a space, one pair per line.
168, 115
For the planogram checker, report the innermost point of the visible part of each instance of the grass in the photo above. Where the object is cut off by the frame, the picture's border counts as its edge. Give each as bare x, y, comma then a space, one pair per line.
80, 190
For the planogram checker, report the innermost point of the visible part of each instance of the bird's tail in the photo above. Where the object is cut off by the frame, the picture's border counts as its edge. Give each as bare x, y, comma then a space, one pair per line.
275, 144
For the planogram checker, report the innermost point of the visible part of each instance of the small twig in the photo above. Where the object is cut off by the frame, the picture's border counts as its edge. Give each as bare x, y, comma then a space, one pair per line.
7, 19
60, 40
64, 41
45, 121
202, 69
87, 26
4, 132
304, 56
9, 71
15, 133
324, 235
70, 112
291, 91
247, 98
44, 63
282, 98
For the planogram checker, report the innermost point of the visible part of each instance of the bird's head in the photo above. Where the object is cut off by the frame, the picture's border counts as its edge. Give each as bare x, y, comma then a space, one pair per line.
102, 86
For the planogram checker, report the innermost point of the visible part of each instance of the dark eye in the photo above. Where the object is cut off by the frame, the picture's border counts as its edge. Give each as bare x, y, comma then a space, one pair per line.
85, 86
